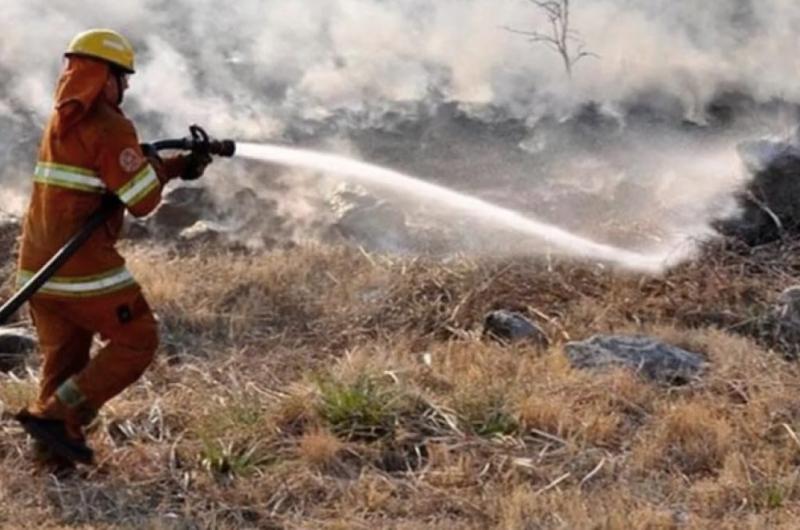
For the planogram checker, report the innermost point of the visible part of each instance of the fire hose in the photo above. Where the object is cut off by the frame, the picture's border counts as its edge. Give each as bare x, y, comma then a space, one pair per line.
198, 142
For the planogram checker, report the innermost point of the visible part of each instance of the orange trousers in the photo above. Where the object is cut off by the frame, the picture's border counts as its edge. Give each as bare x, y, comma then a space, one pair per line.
66, 328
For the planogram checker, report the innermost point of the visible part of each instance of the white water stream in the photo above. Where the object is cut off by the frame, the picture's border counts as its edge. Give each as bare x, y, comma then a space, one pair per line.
486, 212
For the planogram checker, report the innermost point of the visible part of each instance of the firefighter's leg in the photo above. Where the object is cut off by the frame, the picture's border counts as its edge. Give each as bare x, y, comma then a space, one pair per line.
64, 346
127, 323
65, 351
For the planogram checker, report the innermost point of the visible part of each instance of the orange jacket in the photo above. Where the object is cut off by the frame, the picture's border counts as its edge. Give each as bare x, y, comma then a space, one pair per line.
89, 148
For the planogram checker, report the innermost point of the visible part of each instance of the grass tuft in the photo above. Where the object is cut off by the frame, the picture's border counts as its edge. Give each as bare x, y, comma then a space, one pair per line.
365, 409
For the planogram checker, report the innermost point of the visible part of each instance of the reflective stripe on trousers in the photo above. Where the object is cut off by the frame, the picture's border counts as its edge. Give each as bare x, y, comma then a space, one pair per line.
82, 286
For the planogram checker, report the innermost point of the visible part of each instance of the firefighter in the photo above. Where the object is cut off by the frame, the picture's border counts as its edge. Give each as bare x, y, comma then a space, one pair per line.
89, 148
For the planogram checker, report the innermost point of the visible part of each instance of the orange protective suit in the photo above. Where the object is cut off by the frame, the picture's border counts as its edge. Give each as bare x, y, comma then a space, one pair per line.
89, 148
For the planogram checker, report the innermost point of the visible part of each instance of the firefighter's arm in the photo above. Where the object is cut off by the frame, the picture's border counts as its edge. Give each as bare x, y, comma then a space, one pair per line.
128, 173
167, 168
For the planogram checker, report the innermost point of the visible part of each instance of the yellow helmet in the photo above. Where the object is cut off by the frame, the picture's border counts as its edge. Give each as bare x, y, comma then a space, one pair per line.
104, 44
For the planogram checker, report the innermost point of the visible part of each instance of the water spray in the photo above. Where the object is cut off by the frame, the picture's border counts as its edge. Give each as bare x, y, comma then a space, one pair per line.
557, 238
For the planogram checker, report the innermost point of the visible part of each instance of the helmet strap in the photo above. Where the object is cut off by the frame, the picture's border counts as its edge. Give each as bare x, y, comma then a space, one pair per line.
117, 73
120, 93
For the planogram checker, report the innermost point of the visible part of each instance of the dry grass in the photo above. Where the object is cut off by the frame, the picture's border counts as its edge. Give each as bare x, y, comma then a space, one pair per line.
327, 388
319, 448
691, 439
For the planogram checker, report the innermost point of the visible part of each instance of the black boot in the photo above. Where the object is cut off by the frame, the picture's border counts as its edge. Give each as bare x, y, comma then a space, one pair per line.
53, 435
51, 463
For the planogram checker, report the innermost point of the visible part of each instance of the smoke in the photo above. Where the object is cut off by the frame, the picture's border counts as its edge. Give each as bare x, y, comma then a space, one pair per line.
263, 69
263, 60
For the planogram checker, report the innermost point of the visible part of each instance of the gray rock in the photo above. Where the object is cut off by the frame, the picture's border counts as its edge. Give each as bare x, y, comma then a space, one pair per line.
203, 233
512, 327
253, 220
9, 232
784, 322
371, 222
648, 356
135, 229
181, 208
787, 307
15, 346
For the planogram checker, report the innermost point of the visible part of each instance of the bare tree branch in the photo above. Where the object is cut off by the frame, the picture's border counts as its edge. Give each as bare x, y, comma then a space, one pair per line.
562, 38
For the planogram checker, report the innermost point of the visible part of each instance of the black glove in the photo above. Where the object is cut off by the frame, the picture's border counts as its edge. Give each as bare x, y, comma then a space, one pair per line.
196, 164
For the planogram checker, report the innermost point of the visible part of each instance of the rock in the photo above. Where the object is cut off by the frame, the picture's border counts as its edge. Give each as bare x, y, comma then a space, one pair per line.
769, 204
371, 222
512, 327
202, 233
181, 208
788, 306
253, 221
9, 232
784, 320
656, 360
135, 230
15, 345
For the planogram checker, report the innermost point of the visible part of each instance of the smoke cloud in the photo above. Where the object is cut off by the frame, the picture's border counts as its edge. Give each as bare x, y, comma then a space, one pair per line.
263, 61
257, 69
